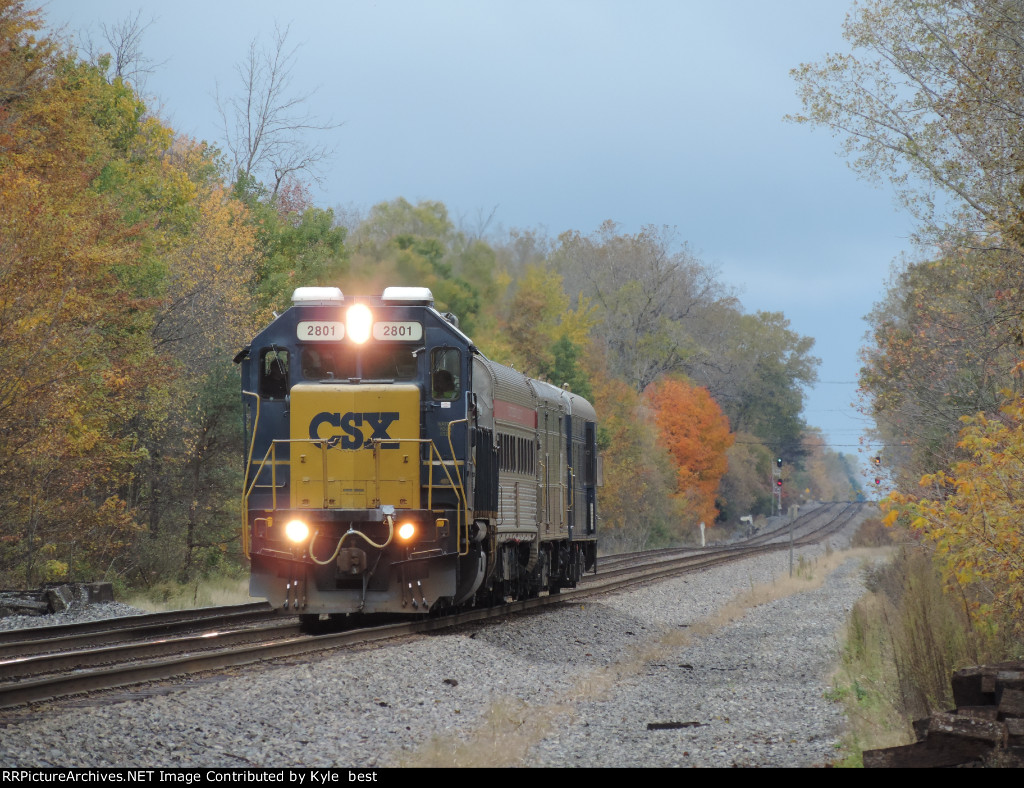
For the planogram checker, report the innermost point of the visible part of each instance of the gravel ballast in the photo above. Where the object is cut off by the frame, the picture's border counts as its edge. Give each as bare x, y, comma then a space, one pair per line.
611, 681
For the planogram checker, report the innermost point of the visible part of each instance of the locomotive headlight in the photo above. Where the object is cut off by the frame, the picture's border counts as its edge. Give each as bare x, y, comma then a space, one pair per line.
406, 531
296, 531
358, 322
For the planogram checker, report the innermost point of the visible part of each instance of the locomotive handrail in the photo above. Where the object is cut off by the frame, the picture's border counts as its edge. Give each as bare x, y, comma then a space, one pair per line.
271, 455
248, 465
461, 489
323, 445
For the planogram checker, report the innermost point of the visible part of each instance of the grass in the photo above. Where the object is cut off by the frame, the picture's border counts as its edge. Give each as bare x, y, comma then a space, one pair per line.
903, 641
209, 592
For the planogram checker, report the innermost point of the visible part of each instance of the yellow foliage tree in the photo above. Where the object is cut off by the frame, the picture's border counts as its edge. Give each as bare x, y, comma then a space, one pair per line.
974, 513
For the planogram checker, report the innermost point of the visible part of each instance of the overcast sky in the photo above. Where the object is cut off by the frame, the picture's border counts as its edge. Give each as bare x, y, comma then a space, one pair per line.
564, 114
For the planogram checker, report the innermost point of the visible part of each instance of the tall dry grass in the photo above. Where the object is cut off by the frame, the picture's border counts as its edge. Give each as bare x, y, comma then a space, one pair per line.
208, 592
904, 639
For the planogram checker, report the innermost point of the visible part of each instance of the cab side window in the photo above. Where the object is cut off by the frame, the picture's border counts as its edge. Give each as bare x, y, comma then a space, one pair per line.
274, 373
444, 373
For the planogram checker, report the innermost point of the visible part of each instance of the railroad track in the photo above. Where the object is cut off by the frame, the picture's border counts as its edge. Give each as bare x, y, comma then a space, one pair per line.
650, 565
49, 663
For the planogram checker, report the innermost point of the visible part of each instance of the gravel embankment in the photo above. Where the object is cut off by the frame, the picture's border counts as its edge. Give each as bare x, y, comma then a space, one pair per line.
561, 688
77, 614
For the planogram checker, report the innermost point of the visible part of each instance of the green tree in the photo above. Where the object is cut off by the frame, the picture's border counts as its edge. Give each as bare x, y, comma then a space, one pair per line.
417, 245
650, 297
756, 369
942, 347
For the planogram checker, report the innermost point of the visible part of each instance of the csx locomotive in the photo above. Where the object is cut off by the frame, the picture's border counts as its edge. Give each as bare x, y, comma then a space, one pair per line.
392, 468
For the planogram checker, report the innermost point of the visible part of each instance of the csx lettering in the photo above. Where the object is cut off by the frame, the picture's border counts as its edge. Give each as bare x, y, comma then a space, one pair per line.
350, 424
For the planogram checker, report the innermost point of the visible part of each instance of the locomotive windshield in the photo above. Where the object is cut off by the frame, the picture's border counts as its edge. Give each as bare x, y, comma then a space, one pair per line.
375, 361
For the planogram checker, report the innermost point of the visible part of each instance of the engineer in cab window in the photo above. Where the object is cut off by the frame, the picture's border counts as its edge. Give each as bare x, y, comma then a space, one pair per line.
444, 385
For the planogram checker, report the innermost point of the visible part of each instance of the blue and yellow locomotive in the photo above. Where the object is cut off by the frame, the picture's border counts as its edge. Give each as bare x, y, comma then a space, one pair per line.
392, 468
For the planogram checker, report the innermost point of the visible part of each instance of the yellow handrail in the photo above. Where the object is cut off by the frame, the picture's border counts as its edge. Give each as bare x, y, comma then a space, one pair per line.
461, 490
270, 457
248, 464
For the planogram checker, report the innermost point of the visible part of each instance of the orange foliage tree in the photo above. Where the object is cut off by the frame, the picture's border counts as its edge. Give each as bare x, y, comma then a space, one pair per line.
693, 428
637, 507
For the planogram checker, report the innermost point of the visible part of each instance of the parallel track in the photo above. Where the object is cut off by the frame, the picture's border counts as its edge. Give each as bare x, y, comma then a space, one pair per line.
39, 667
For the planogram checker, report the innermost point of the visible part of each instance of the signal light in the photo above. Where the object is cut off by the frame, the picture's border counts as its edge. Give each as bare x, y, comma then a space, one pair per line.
877, 480
778, 483
778, 462
877, 460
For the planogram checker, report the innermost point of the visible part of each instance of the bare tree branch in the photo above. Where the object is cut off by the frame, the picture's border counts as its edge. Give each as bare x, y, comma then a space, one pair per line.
267, 125
122, 42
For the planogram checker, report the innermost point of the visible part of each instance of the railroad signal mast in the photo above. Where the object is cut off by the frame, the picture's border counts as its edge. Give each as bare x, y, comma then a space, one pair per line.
777, 484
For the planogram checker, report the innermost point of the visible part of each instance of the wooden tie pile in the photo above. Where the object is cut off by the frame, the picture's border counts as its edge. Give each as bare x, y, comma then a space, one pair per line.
986, 729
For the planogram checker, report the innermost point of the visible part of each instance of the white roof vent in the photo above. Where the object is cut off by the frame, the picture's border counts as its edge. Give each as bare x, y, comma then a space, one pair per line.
408, 295
324, 296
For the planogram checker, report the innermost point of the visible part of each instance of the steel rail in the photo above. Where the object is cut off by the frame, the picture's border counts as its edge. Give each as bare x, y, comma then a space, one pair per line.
36, 690
154, 620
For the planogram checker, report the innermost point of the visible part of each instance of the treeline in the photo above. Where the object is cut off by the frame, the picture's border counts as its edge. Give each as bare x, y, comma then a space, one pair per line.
135, 262
930, 97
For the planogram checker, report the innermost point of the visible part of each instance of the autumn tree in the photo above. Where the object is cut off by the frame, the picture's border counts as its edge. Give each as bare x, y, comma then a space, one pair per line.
69, 379
929, 98
696, 434
745, 488
972, 514
824, 474
125, 268
639, 508
943, 347
650, 294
